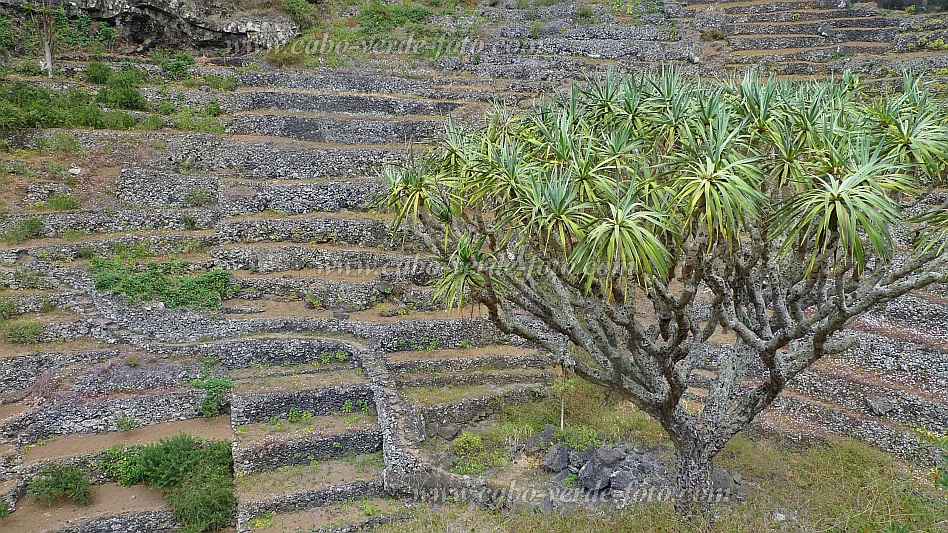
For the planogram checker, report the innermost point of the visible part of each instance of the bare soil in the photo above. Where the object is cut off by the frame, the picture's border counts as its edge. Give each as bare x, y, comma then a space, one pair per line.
107, 500
462, 353
319, 474
8, 349
276, 308
373, 316
332, 516
63, 446
312, 380
319, 427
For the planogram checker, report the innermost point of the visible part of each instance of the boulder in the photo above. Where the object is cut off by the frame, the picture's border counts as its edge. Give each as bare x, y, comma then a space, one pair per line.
556, 459
542, 440
448, 431
595, 475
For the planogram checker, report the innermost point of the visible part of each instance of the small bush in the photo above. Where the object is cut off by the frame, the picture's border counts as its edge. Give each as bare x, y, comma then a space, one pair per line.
62, 202
63, 143
97, 72
197, 197
203, 501
213, 109
302, 12
475, 455
123, 97
26, 332
179, 67
22, 230
216, 389
151, 123
8, 309
584, 14
4, 510
57, 481
117, 120
712, 35
195, 474
190, 223
221, 83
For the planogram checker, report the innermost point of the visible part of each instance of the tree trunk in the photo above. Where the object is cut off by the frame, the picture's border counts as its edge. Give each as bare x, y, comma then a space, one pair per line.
48, 51
693, 494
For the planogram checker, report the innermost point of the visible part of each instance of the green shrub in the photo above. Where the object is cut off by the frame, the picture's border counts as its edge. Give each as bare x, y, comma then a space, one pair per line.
584, 14
62, 202
195, 474
151, 123
578, 437
179, 67
24, 332
57, 481
4, 510
117, 120
168, 282
123, 97
97, 72
213, 109
8, 308
190, 223
197, 197
302, 12
221, 83
63, 143
203, 501
376, 17
22, 230
216, 389
475, 454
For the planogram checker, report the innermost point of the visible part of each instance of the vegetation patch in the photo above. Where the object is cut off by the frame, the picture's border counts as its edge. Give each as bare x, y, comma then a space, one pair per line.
169, 282
196, 475
55, 482
22, 230
23, 332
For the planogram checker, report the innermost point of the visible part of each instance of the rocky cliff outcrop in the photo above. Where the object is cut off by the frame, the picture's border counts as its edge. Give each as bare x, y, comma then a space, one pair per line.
200, 24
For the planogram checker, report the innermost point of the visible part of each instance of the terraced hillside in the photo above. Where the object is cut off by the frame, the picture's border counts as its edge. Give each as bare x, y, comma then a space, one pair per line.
338, 363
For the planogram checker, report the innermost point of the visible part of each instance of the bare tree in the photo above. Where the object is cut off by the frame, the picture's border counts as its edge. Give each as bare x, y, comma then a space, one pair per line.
43, 15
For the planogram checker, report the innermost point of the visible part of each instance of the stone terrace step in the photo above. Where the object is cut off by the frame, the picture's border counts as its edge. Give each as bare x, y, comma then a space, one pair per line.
817, 54
829, 27
352, 131
464, 359
873, 399
352, 229
74, 445
804, 15
244, 197
353, 104
63, 416
360, 515
317, 484
340, 81
758, 6
466, 378
778, 42
266, 258
270, 445
796, 413
463, 405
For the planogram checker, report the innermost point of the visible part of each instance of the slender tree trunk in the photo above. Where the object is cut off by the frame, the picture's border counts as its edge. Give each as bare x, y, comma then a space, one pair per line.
48, 52
694, 465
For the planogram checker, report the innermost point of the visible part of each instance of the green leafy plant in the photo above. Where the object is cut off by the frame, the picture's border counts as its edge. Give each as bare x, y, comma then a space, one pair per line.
125, 422
57, 481
22, 230
4, 510
196, 476
62, 202
347, 406
23, 332
939, 441
8, 308
216, 388
97, 72
294, 415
